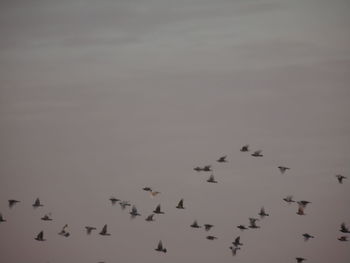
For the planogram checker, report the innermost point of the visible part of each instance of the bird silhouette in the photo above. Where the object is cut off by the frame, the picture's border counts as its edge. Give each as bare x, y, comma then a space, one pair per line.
242, 227
124, 204
262, 213
222, 159
237, 242
12, 202
340, 178
180, 205
63, 232
147, 189
207, 168
344, 228
47, 217
211, 179
40, 236
2, 219
307, 236
150, 218
37, 203
195, 224
104, 231
158, 210
301, 207
198, 169
343, 238
283, 169
207, 227
289, 199
257, 153
211, 237
234, 250
299, 259
160, 247
245, 148
134, 212
89, 229
252, 222
113, 200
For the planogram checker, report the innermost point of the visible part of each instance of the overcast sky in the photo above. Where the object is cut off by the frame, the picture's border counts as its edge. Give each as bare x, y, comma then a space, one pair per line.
101, 98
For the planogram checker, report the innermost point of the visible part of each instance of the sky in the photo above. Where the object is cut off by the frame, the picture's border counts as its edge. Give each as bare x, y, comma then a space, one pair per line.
102, 98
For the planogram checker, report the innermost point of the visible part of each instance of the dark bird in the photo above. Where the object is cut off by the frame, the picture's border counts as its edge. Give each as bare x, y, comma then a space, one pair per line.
89, 229
147, 189
211, 179
222, 159
283, 169
12, 202
340, 178
289, 199
160, 247
245, 148
37, 203
344, 228
158, 210
242, 227
301, 209
211, 237
237, 242
252, 223
234, 250
343, 238
64, 232
134, 212
198, 169
207, 168
2, 219
40, 236
262, 213
195, 224
299, 259
307, 236
180, 205
257, 154
46, 217
303, 202
207, 227
150, 218
124, 204
104, 231
113, 200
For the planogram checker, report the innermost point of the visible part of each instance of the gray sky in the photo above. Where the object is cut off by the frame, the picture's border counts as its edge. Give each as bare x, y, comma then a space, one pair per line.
102, 98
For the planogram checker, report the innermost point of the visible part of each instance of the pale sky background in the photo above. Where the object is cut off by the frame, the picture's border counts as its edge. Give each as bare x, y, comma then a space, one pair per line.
102, 98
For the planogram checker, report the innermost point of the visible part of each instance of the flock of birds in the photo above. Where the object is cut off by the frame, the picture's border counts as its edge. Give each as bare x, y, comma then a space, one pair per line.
236, 244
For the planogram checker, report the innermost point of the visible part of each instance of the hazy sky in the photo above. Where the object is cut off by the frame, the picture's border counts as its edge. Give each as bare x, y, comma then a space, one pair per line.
102, 98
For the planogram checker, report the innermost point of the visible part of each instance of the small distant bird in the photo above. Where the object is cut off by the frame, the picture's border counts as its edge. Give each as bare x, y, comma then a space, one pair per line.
234, 250
64, 232
283, 169
124, 204
340, 178
89, 229
344, 228
104, 231
40, 236
211, 237
147, 189
299, 259
180, 205
242, 227
158, 210
289, 199
207, 227
2, 219
160, 247
150, 218
257, 154
198, 169
211, 179
245, 148
343, 238
37, 203
301, 208
237, 242
262, 213
12, 202
134, 212
113, 200
195, 224
252, 223
207, 168
307, 236
303, 202
46, 217
222, 159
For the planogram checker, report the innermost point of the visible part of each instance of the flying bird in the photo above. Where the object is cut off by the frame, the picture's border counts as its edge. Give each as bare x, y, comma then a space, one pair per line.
47, 217
340, 178
343, 238
245, 148
299, 259
134, 212
147, 189
37, 203
207, 168
262, 213
198, 169
124, 204
40, 236
211, 179
158, 210
195, 224
252, 223
104, 231
180, 205
211, 237
237, 242
12, 202
344, 228
289, 199
150, 218
113, 200
207, 227
222, 159
89, 229
257, 154
64, 232
160, 247
283, 169
301, 208
307, 236
242, 227
234, 250
2, 219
